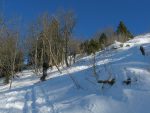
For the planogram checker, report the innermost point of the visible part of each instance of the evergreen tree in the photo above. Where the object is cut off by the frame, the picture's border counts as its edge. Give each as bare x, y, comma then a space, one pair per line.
122, 30
103, 40
84, 46
93, 46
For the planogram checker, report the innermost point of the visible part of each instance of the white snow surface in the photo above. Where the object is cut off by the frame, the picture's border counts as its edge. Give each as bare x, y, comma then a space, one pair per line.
60, 95
115, 45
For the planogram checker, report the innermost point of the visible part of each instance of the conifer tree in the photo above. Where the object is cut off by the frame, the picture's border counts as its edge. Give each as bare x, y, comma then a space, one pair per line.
93, 46
103, 40
122, 30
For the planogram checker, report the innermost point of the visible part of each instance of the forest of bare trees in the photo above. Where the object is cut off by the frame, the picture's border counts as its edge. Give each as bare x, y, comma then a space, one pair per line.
48, 41
11, 55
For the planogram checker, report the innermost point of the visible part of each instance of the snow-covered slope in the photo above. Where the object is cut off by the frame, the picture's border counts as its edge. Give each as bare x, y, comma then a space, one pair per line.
59, 94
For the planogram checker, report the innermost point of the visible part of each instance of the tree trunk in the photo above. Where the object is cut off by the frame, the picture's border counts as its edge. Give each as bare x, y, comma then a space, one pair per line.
74, 58
51, 54
66, 52
35, 60
13, 66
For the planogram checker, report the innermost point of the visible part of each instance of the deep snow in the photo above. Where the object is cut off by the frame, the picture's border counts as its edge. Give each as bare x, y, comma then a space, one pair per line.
60, 95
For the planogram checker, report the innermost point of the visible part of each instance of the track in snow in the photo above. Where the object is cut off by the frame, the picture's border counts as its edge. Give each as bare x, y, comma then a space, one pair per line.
49, 103
41, 94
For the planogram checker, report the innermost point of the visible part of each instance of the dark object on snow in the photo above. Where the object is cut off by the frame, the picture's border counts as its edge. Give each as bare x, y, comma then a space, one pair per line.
127, 82
110, 82
45, 67
142, 50
127, 45
145, 49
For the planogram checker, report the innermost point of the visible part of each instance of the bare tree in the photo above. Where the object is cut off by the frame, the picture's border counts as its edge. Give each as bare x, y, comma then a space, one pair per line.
74, 49
32, 46
8, 49
50, 34
13, 57
68, 23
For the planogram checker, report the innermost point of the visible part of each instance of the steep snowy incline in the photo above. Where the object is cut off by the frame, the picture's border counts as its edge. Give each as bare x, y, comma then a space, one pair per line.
59, 94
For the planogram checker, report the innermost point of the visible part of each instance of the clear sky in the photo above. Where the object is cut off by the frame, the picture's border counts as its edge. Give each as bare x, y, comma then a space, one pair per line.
92, 15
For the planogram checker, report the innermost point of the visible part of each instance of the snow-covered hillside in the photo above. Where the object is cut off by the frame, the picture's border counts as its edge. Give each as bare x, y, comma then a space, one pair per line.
59, 94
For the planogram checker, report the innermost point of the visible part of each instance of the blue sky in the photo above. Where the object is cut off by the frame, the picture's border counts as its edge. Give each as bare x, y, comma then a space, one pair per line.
91, 15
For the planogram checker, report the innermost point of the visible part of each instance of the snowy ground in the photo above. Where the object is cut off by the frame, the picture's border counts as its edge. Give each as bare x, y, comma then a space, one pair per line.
60, 95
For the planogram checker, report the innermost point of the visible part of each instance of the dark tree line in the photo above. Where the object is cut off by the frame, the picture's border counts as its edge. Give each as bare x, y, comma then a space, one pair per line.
104, 39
